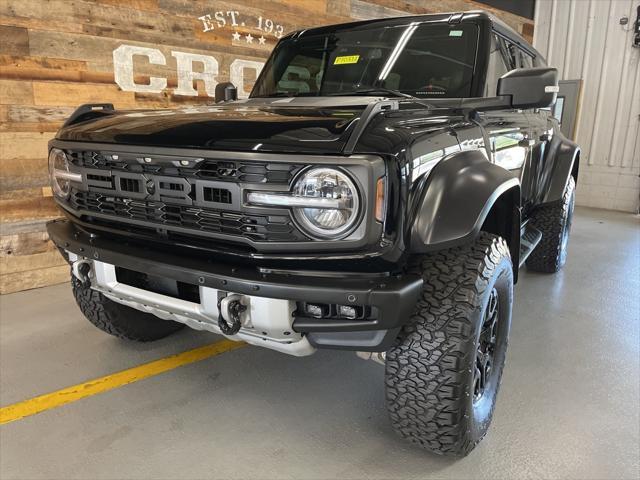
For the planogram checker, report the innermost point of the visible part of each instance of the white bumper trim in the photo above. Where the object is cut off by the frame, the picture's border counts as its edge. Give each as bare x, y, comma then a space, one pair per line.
266, 323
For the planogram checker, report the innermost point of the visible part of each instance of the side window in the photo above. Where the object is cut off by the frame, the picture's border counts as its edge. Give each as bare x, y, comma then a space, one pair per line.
526, 60
497, 67
538, 61
511, 53
516, 57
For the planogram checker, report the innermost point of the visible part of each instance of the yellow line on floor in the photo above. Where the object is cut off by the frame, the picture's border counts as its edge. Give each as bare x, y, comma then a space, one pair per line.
56, 399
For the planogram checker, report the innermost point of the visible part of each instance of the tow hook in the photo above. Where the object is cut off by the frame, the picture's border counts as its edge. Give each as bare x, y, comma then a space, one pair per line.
378, 357
81, 270
230, 309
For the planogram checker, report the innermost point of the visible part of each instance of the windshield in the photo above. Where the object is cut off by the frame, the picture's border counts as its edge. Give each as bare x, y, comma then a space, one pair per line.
421, 60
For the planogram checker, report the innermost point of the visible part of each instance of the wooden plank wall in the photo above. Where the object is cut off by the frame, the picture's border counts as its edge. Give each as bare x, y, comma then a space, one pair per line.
57, 54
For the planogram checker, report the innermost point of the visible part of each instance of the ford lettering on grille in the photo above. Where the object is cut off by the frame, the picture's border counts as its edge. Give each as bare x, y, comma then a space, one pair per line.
162, 188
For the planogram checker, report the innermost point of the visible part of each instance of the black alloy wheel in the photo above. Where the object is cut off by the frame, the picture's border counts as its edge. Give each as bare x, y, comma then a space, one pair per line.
486, 346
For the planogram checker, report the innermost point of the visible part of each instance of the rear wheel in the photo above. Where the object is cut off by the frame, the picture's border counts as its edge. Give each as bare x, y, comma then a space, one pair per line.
119, 320
444, 372
554, 221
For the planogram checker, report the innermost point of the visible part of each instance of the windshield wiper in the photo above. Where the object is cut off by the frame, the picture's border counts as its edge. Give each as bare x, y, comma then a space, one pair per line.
373, 91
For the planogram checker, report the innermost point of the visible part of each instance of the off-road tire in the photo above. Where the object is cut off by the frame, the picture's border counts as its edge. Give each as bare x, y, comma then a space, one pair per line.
119, 320
554, 221
430, 369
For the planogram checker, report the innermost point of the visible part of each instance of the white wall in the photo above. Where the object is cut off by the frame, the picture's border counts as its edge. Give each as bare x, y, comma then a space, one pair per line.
584, 40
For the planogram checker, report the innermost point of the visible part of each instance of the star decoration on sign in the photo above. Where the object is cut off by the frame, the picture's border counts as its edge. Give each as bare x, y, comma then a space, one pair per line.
249, 38
236, 36
262, 40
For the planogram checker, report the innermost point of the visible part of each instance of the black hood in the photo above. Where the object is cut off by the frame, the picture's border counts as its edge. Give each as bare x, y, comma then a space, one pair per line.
268, 125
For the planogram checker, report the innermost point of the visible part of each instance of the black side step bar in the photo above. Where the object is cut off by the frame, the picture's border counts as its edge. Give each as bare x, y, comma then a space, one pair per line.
528, 242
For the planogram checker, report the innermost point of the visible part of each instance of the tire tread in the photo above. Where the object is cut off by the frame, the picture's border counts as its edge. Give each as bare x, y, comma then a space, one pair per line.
550, 220
119, 320
427, 373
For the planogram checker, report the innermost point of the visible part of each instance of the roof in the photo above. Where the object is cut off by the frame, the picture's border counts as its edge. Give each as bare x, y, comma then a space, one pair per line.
478, 16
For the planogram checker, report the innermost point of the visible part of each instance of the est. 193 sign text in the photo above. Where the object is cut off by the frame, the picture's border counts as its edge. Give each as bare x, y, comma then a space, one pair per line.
262, 26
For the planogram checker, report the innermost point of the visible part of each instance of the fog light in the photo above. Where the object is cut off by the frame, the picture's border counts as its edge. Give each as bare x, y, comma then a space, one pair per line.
347, 311
317, 311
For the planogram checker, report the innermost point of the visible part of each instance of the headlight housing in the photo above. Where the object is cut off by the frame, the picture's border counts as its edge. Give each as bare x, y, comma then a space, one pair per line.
325, 203
334, 188
59, 173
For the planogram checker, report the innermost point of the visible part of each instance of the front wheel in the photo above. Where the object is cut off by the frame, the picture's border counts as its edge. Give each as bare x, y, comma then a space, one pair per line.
119, 320
444, 371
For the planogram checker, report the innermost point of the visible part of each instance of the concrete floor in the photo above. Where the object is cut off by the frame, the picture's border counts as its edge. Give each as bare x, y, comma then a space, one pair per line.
569, 404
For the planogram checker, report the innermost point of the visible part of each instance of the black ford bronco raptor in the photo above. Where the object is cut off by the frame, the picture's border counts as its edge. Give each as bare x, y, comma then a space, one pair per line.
378, 192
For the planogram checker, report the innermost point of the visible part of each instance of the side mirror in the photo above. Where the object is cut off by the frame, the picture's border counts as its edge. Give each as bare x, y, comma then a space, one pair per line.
226, 92
530, 87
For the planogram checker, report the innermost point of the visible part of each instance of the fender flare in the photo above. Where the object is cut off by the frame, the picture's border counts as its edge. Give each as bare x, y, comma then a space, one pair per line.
455, 200
563, 162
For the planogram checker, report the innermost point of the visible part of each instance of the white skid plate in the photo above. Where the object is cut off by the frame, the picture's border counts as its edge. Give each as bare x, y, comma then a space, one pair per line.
267, 322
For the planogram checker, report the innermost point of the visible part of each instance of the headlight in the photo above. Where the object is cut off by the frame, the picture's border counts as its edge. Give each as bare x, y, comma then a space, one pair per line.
327, 185
59, 173
325, 202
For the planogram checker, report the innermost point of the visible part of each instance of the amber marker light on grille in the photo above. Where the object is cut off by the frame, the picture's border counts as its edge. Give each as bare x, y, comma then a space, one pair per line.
380, 199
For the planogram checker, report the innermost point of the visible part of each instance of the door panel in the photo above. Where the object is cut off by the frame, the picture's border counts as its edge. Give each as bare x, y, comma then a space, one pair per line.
541, 127
566, 107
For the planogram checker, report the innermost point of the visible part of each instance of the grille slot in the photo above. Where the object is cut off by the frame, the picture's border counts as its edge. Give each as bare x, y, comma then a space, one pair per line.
217, 195
176, 187
100, 178
130, 185
255, 227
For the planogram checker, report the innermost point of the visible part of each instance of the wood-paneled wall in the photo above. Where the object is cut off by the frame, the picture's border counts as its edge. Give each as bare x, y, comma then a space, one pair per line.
57, 54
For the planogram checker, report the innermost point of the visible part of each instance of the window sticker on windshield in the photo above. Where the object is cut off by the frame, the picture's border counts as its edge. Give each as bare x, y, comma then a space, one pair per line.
346, 59
455, 33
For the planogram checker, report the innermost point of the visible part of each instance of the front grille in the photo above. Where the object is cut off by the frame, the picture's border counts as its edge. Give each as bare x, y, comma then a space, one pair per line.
168, 192
207, 169
260, 228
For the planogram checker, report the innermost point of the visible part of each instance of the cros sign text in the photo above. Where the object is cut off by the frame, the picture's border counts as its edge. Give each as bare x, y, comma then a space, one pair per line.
124, 75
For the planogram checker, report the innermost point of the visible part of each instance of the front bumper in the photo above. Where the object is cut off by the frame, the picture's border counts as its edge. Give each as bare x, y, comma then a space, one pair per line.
392, 297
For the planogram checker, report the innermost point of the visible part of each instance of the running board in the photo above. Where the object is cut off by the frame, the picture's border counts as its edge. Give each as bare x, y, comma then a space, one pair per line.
528, 242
